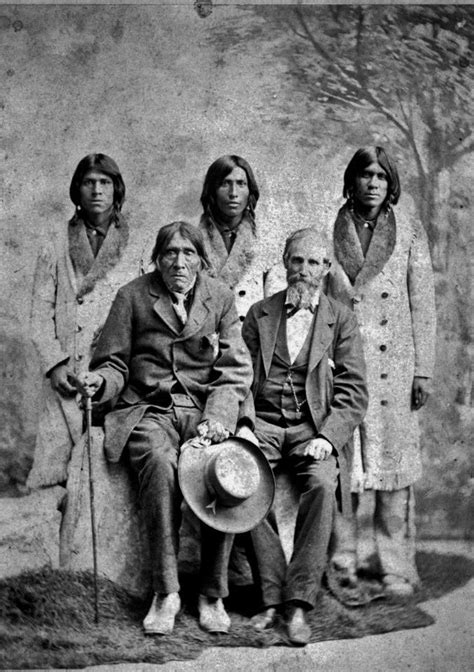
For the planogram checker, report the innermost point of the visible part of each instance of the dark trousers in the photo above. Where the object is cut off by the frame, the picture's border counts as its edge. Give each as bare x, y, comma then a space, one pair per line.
152, 450
316, 482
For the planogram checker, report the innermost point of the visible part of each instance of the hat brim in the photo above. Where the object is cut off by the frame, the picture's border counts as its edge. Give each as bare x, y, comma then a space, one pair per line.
231, 519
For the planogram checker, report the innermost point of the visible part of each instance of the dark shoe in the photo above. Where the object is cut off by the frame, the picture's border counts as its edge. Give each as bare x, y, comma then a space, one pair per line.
263, 620
299, 632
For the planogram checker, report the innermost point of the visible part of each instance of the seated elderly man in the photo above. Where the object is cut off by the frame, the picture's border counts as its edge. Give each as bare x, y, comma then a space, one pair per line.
172, 353
309, 392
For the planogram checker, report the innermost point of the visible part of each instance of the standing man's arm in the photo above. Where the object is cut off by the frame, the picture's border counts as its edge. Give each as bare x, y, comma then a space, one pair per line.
109, 367
54, 360
423, 315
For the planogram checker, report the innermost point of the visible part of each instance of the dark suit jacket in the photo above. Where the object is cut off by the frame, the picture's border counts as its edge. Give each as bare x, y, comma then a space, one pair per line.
142, 348
335, 383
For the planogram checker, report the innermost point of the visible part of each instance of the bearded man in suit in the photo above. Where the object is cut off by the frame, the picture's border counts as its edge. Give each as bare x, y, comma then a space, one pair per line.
309, 392
172, 353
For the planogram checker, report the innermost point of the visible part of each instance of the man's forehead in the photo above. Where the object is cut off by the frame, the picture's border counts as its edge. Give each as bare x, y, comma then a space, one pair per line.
308, 247
181, 242
93, 174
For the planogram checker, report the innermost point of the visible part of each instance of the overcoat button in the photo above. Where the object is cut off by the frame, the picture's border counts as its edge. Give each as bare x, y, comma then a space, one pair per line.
384, 376
384, 295
241, 318
383, 322
80, 300
384, 402
383, 348
242, 292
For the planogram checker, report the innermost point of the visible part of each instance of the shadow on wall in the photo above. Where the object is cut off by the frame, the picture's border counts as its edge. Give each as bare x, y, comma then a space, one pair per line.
19, 405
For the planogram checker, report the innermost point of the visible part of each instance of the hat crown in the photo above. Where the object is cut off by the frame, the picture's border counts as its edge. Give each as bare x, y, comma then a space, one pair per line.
232, 475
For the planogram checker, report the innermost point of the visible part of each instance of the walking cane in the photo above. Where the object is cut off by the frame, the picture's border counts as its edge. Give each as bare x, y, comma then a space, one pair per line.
88, 405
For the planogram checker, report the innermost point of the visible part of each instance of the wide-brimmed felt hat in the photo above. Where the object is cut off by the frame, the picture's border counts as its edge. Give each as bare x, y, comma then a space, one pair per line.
228, 485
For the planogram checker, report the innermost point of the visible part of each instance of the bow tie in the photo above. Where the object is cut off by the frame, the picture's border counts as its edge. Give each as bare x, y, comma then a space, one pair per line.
291, 309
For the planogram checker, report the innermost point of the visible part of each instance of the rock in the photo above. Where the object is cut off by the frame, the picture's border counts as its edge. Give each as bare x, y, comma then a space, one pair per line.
20, 384
122, 553
29, 531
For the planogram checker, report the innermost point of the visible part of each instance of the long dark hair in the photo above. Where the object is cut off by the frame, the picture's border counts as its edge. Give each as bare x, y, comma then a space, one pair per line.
363, 158
187, 231
103, 164
216, 174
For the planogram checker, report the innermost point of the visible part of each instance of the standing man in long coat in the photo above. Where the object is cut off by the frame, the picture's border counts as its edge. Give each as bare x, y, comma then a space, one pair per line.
77, 275
383, 270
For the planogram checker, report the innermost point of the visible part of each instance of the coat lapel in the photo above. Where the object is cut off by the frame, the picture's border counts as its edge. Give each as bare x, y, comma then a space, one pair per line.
347, 247
380, 248
323, 332
229, 268
199, 310
88, 270
268, 326
162, 305
348, 250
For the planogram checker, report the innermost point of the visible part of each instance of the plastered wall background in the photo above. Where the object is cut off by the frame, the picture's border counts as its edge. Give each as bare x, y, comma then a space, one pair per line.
165, 92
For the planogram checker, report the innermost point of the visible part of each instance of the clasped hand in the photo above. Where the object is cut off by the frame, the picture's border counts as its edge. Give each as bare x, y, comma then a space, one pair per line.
89, 383
213, 430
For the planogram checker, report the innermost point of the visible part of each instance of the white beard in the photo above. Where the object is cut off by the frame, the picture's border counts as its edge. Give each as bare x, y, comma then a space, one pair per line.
301, 294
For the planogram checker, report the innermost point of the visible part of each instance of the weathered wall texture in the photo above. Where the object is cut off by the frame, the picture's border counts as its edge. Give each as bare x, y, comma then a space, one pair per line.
157, 89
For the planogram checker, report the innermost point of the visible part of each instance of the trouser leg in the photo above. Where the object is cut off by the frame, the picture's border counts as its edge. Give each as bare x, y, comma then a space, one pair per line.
317, 482
394, 529
215, 551
344, 540
367, 552
269, 561
153, 455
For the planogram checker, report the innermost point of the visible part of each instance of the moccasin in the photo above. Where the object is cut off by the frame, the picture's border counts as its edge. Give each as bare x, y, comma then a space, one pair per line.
263, 620
299, 632
160, 618
212, 615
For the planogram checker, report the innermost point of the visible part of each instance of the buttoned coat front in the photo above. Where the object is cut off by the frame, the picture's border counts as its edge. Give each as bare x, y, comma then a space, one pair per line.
335, 382
65, 322
143, 349
393, 299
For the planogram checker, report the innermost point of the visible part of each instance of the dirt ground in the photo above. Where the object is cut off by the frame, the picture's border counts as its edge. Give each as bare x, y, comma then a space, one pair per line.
446, 646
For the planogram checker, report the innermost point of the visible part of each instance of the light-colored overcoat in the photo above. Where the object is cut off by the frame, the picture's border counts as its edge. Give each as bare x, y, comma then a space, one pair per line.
143, 350
393, 299
242, 269
335, 382
68, 310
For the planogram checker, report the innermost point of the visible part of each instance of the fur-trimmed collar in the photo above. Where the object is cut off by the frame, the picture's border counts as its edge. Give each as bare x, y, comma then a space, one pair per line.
90, 269
229, 268
348, 250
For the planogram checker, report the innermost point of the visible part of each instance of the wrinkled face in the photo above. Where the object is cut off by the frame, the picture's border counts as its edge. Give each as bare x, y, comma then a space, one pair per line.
96, 193
371, 187
306, 263
179, 263
232, 195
